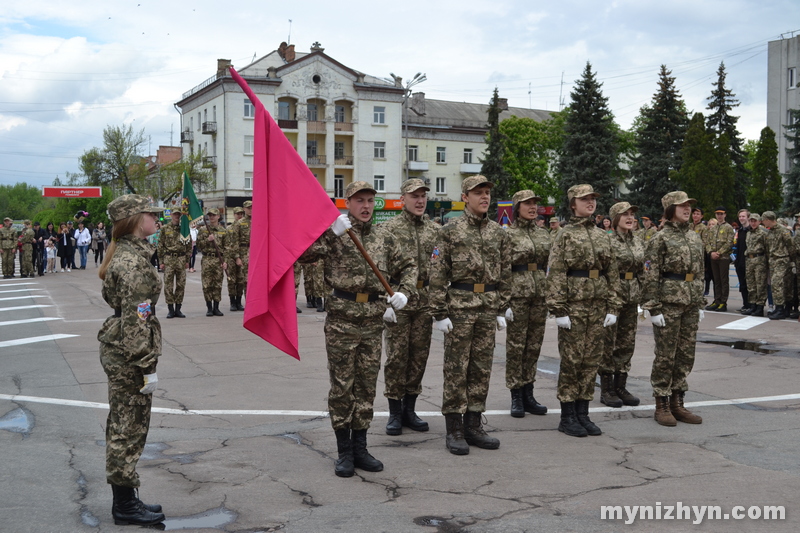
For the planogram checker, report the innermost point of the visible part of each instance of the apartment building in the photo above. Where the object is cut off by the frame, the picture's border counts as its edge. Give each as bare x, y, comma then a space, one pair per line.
783, 60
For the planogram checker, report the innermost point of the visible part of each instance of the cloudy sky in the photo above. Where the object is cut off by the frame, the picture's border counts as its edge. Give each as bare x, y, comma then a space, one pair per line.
68, 69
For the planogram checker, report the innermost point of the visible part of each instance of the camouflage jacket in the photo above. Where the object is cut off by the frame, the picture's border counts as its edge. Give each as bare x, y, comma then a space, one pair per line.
8, 238
347, 270
720, 239
629, 252
27, 237
796, 241
238, 241
171, 243
207, 247
675, 250
646, 234
757, 241
582, 246
468, 251
779, 243
418, 236
525, 244
132, 287
700, 229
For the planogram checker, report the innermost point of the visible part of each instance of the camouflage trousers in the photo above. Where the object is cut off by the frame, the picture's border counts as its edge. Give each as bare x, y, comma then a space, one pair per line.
675, 344
620, 341
468, 353
756, 280
241, 277
581, 349
233, 276
211, 276
174, 278
720, 269
8, 262
354, 359
408, 343
313, 280
524, 341
780, 271
298, 271
26, 260
127, 424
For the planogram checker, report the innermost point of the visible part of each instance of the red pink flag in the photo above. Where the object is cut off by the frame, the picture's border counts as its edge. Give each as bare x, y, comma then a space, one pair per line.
290, 211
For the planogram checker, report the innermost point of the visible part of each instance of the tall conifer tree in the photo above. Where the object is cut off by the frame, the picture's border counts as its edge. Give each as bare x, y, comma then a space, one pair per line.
492, 166
766, 193
791, 198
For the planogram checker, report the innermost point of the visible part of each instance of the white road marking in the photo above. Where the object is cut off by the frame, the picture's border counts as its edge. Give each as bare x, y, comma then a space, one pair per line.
283, 412
31, 340
19, 284
29, 320
745, 323
20, 290
20, 307
24, 297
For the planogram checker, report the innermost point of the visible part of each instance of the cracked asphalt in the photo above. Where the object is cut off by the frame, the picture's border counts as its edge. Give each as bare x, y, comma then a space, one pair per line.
257, 473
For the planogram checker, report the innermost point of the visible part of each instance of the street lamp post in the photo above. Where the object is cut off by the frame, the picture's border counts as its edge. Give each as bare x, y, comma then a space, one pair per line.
416, 80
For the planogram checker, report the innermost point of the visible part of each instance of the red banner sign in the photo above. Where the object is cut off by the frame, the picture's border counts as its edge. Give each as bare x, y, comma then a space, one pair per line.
72, 192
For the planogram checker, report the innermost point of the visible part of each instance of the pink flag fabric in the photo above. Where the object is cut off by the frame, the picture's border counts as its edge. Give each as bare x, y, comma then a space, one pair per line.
290, 211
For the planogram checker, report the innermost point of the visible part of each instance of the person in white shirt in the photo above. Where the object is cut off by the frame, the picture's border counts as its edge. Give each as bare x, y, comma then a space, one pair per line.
83, 238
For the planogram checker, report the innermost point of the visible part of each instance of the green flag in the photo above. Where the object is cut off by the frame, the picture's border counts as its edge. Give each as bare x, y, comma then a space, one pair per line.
191, 207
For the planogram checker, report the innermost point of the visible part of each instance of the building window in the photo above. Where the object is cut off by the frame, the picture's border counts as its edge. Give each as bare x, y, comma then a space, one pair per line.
312, 112
338, 150
413, 152
467, 155
214, 111
191, 123
791, 75
249, 145
283, 110
338, 115
379, 115
441, 154
311, 148
441, 185
249, 109
380, 150
379, 183
205, 115
338, 186
248, 180
198, 121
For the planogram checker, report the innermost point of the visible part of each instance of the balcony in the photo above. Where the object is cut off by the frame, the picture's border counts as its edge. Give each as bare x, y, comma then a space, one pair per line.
315, 126
187, 136
471, 168
417, 165
343, 126
287, 124
316, 160
210, 161
343, 161
210, 128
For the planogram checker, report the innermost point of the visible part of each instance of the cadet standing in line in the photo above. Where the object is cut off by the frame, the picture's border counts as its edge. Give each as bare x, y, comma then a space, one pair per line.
583, 295
673, 294
233, 269
649, 229
526, 249
130, 345
27, 238
554, 226
466, 269
240, 251
314, 285
354, 324
697, 223
408, 332
780, 256
174, 253
621, 337
211, 243
719, 245
756, 265
8, 245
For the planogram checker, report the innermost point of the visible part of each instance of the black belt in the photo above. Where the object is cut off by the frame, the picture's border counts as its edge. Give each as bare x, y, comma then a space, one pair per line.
360, 297
474, 287
526, 267
593, 274
678, 277
753, 256
420, 283
118, 312
628, 275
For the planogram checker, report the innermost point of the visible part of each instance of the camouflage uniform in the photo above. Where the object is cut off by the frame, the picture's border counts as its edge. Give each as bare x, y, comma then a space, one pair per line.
234, 270
314, 279
353, 328
720, 239
781, 254
239, 243
27, 238
700, 229
211, 264
756, 265
8, 245
646, 234
174, 253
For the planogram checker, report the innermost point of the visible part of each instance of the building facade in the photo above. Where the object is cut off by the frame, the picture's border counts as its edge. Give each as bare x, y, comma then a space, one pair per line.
783, 60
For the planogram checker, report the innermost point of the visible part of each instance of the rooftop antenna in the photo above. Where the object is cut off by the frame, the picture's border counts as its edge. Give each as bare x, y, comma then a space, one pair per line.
529, 96
289, 40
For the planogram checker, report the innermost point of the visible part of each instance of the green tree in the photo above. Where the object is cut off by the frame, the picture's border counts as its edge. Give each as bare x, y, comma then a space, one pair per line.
659, 132
766, 192
492, 165
697, 155
791, 197
169, 178
117, 163
590, 152
529, 146
20, 201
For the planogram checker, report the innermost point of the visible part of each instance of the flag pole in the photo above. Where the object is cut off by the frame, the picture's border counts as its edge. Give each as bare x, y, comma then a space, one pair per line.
371, 262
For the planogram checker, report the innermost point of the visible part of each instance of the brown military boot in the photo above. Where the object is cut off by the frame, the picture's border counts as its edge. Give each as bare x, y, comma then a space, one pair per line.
455, 434
620, 381
608, 394
663, 413
474, 433
680, 412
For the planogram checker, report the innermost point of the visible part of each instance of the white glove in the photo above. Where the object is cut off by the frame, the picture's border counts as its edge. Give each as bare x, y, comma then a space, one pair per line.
702, 315
398, 300
501, 323
509, 315
563, 322
341, 225
610, 320
658, 321
150, 383
443, 325
389, 315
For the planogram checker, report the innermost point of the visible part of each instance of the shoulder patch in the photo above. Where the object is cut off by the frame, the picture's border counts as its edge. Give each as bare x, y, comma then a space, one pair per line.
435, 254
143, 310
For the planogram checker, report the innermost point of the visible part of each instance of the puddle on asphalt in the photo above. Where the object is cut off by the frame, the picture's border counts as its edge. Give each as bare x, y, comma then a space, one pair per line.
155, 450
212, 519
19, 420
753, 346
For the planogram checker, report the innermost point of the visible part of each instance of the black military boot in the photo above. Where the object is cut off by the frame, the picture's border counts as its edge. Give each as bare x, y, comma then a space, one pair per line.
361, 457
344, 445
779, 313
793, 313
128, 509
216, 310
517, 407
395, 424
620, 382
582, 414
178, 313
748, 310
569, 424
410, 418
320, 305
529, 402
239, 305
758, 311
455, 434
310, 302
233, 304
210, 311
608, 394
152, 507
171, 313
474, 433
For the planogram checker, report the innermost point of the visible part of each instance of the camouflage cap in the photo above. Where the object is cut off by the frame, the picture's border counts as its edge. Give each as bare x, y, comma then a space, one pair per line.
358, 186
581, 191
213, 211
769, 215
554, 219
26, 222
177, 210
248, 204
9, 219
797, 214
676, 198
238, 210
524, 196
413, 184
755, 216
621, 207
473, 181
128, 205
